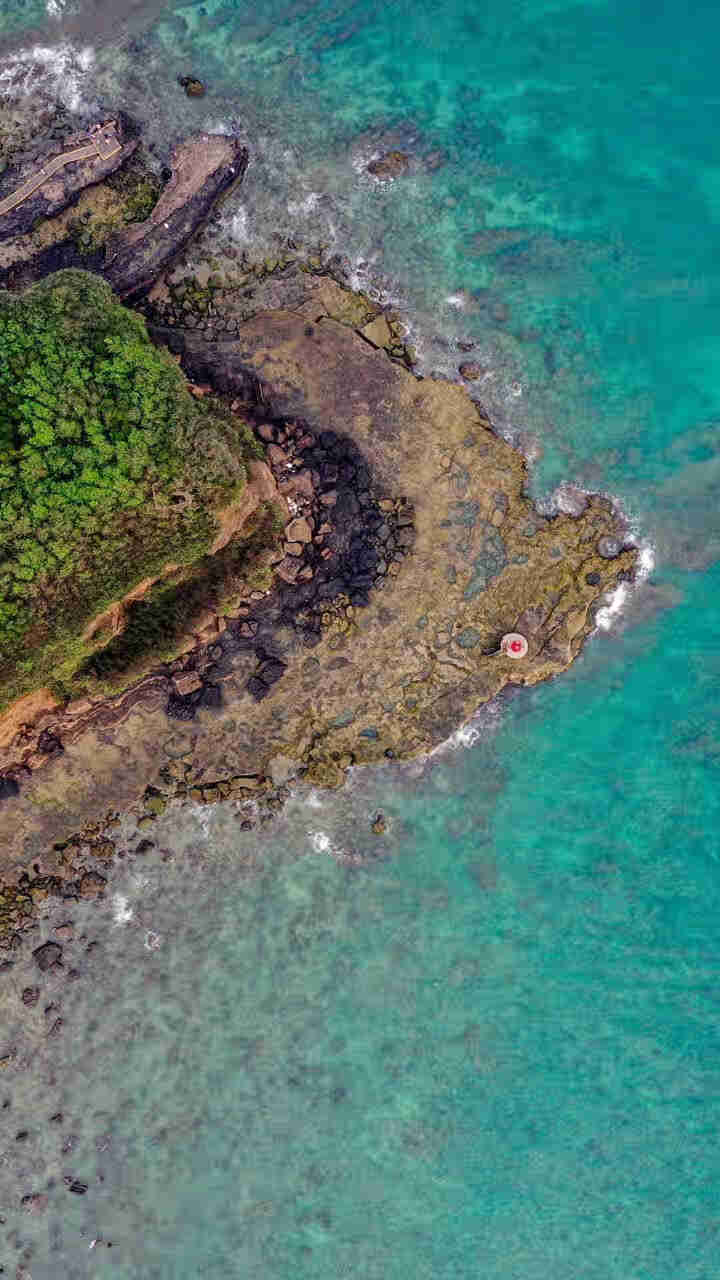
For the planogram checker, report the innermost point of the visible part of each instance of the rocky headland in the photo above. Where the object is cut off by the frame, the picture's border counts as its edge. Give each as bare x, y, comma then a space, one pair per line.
406, 547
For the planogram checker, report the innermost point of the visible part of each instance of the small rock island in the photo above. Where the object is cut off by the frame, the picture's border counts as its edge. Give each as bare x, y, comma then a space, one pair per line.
243, 542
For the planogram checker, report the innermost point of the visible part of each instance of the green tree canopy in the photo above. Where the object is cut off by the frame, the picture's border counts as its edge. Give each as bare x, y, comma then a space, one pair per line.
108, 467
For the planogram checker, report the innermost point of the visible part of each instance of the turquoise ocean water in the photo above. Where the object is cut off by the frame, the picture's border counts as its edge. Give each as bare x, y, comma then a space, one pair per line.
494, 1051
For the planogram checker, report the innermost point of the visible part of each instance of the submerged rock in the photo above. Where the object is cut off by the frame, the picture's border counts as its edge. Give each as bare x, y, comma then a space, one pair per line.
391, 165
193, 87
471, 370
48, 956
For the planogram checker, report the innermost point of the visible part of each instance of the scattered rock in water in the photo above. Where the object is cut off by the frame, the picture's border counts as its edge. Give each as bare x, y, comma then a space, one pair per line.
30, 996
65, 932
36, 1202
435, 160
391, 165
379, 825
8, 787
471, 370
91, 885
75, 1185
193, 87
48, 956
609, 548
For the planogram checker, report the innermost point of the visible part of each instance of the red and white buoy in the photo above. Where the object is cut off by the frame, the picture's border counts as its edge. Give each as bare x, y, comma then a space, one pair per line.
513, 645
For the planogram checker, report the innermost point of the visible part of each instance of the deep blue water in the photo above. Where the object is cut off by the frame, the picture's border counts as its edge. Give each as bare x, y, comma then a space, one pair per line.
495, 1054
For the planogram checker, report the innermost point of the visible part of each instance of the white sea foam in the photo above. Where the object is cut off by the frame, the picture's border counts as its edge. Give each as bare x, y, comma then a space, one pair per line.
201, 813
481, 725
122, 911
313, 800
61, 69
300, 208
238, 226
617, 599
320, 841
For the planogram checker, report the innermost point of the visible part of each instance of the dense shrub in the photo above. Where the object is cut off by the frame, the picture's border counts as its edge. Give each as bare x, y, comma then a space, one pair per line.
108, 467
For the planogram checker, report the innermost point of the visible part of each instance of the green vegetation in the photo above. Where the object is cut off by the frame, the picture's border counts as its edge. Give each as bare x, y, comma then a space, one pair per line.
129, 195
109, 470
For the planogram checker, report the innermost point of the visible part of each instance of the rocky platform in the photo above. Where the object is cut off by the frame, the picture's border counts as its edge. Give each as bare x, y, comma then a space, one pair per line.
410, 548
417, 548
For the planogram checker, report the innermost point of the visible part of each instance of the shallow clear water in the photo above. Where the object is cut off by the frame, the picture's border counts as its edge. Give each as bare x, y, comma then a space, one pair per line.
494, 1051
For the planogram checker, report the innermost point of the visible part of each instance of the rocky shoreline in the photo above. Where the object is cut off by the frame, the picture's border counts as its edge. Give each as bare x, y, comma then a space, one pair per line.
410, 548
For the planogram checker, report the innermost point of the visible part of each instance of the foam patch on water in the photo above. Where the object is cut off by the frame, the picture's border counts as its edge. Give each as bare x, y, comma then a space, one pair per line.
121, 909
617, 599
314, 800
485, 721
61, 70
322, 843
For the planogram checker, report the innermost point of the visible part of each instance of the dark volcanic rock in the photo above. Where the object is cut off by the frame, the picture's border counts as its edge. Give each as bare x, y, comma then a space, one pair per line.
202, 168
48, 955
471, 370
392, 165
193, 87
36, 1202
65, 184
91, 885
609, 548
8, 788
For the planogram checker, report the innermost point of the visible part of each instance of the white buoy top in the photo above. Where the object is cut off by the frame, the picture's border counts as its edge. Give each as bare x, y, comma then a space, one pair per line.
513, 645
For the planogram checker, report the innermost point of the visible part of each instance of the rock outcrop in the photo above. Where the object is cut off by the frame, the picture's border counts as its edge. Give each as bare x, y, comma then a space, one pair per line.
75, 220
429, 552
203, 168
